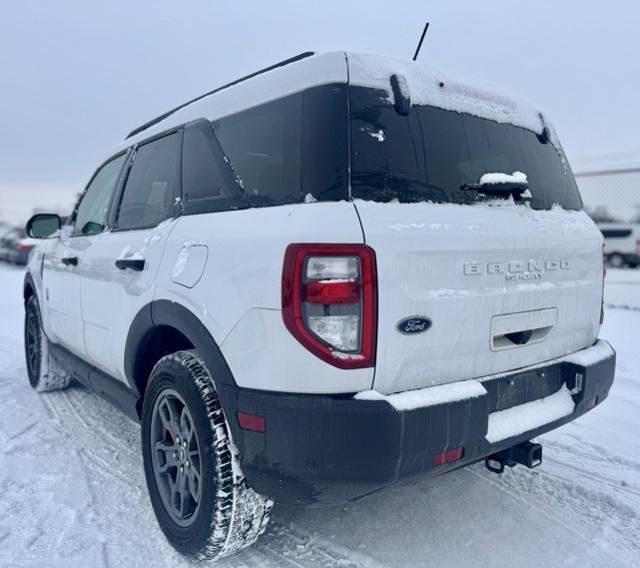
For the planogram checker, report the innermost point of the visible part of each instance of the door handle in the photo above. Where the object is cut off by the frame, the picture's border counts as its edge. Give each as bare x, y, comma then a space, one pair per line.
130, 263
70, 261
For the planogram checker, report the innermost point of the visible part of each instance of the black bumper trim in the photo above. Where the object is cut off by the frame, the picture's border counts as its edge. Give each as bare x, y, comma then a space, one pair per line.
332, 449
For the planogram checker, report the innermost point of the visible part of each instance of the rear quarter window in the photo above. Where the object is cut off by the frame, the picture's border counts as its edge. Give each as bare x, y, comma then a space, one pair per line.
291, 148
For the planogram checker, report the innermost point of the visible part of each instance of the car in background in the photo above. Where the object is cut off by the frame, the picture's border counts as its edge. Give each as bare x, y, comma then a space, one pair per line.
16, 246
6, 238
621, 244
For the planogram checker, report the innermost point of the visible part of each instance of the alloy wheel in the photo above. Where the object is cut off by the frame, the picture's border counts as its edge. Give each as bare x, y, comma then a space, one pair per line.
176, 458
32, 340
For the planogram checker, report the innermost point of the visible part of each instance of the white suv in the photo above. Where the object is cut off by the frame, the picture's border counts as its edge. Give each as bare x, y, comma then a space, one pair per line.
331, 276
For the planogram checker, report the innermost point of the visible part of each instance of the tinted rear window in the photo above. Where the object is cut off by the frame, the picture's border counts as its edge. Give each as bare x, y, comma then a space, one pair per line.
287, 149
431, 153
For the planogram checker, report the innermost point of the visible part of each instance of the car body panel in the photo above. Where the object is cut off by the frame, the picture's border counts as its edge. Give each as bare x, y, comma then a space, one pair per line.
461, 266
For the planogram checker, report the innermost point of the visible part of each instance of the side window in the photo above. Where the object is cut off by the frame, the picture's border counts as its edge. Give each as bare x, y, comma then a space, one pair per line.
208, 184
263, 146
91, 214
149, 192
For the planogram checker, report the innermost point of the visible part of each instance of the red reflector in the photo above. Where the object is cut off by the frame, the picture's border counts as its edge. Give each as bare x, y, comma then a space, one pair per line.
24, 248
591, 403
333, 292
447, 457
251, 422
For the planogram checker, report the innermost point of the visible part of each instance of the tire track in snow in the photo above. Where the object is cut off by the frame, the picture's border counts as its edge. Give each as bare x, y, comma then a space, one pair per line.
593, 515
288, 546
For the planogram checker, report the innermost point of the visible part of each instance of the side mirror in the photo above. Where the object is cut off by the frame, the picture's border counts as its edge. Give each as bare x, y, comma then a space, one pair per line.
43, 225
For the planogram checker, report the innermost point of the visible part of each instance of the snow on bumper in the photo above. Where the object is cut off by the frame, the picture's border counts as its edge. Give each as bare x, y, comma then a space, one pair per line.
331, 449
529, 416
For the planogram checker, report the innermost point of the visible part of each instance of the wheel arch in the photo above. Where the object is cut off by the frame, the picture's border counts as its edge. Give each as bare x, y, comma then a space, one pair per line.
162, 325
29, 287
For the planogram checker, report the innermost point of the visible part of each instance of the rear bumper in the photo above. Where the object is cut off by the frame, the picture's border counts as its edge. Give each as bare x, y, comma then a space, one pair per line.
332, 449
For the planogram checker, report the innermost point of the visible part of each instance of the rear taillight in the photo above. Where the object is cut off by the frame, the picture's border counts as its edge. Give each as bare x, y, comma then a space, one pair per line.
24, 248
638, 246
329, 301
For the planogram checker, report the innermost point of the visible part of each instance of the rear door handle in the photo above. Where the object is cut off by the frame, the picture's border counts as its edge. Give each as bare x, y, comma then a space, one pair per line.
70, 261
130, 263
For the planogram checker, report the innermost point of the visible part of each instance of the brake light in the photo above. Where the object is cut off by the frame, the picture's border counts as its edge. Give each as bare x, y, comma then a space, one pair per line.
638, 246
329, 301
24, 248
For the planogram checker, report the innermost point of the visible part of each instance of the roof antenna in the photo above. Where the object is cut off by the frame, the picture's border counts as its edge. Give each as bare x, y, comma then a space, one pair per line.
424, 33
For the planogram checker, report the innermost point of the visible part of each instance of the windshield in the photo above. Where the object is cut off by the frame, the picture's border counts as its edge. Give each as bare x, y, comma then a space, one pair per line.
431, 154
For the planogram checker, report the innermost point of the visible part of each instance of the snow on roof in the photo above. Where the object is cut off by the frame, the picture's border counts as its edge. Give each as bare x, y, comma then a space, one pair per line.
429, 86
426, 86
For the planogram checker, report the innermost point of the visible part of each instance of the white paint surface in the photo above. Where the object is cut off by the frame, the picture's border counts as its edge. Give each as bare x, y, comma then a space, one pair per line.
422, 253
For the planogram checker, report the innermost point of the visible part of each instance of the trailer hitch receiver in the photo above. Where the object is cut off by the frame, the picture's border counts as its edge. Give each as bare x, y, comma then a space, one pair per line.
526, 453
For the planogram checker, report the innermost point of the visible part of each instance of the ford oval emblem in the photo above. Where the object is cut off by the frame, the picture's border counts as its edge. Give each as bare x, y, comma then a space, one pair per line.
415, 324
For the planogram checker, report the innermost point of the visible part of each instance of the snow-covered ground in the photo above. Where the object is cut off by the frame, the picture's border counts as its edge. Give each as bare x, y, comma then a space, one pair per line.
72, 490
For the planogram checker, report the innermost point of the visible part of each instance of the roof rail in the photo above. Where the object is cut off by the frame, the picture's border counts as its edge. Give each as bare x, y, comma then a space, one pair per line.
160, 118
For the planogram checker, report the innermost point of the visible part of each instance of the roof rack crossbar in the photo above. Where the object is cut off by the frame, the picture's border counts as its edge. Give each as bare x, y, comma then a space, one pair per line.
160, 118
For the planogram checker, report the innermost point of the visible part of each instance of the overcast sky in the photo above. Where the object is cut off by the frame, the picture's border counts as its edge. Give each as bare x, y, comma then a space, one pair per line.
76, 75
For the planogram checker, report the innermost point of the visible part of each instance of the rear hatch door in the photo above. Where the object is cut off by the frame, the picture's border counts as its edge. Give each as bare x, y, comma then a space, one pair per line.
502, 281
501, 288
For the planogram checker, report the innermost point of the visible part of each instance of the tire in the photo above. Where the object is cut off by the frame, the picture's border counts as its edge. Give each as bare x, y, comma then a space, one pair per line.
44, 373
616, 260
202, 502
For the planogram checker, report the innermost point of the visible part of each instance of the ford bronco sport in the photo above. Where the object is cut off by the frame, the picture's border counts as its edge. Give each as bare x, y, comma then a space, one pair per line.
321, 280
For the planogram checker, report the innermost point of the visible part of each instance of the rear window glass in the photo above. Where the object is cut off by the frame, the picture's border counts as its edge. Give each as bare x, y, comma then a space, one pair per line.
431, 153
290, 149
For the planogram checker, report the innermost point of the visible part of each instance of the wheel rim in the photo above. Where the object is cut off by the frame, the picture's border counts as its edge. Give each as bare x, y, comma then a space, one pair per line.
616, 261
32, 341
176, 459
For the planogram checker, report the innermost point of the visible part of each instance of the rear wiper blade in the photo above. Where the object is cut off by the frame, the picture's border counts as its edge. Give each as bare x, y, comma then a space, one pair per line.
500, 183
511, 187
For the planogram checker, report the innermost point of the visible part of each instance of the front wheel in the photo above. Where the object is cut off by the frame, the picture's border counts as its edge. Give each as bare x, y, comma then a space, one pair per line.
199, 495
44, 373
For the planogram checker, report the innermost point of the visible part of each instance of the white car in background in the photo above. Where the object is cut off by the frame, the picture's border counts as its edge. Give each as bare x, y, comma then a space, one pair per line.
621, 244
320, 281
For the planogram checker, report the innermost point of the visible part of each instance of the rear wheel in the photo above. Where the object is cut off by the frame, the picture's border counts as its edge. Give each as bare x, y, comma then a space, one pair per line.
44, 373
200, 497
